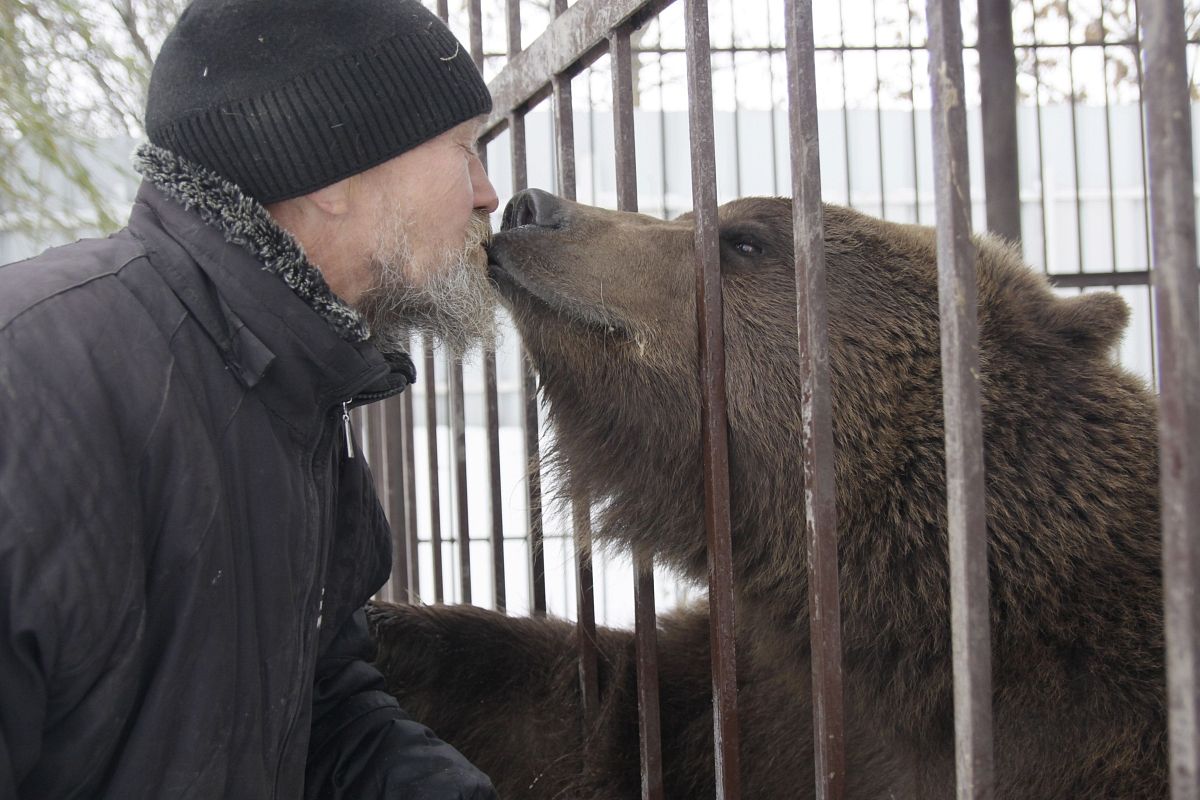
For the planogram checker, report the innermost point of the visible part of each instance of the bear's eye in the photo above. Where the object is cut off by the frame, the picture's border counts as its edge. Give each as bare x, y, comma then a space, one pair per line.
747, 247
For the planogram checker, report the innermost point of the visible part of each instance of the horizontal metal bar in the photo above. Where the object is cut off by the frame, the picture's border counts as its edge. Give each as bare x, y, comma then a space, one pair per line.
571, 42
1087, 280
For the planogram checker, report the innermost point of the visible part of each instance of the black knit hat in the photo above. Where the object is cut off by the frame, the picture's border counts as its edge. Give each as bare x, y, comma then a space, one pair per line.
283, 97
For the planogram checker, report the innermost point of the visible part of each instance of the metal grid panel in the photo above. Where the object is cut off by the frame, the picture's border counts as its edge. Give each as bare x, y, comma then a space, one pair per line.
570, 48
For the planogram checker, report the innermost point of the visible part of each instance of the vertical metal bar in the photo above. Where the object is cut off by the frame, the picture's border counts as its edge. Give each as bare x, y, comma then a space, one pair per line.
714, 419
512, 10
737, 106
410, 498
912, 83
878, 111
644, 621
1137, 61
1066, 5
1108, 150
564, 134
458, 439
368, 420
845, 105
771, 105
1173, 220
998, 108
431, 440
492, 410
1037, 109
662, 129
394, 436
589, 684
490, 383
957, 300
529, 401
816, 407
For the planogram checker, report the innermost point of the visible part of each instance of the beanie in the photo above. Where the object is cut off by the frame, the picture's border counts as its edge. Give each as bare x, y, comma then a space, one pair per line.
283, 97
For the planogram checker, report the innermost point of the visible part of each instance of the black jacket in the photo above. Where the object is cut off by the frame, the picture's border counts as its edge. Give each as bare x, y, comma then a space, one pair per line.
185, 541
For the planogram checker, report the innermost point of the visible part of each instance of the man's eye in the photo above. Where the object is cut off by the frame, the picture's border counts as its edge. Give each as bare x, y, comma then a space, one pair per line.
747, 247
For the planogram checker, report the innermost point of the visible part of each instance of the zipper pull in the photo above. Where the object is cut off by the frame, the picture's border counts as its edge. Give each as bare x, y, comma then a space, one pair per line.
346, 429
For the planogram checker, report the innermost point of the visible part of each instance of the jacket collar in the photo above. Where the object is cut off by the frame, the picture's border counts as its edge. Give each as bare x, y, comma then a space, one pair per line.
259, 298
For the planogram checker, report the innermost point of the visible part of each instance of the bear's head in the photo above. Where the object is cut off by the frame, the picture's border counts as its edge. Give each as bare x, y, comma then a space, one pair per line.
605, 304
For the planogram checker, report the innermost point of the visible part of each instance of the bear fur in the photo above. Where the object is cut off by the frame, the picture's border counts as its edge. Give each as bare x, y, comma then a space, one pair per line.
605, 304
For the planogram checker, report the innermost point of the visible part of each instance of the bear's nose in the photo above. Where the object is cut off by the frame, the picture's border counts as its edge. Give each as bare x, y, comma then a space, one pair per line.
532, 207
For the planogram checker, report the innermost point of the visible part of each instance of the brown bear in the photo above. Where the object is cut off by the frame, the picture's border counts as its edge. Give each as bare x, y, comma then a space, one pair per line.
604, 303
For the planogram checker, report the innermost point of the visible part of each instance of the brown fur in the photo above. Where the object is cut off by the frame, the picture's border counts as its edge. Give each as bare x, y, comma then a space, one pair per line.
604, 302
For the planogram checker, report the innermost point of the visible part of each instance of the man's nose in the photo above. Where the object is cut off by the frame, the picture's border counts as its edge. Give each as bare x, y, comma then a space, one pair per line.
486, 198
533, 207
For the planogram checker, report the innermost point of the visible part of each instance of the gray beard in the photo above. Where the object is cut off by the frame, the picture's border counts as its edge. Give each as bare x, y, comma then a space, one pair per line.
456, 307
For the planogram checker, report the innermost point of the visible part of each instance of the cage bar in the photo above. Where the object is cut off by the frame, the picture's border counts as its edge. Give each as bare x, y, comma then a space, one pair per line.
645, 623
431, 442
390, 482
816, 407
957, 301
714, 419
998, 109
1173, 229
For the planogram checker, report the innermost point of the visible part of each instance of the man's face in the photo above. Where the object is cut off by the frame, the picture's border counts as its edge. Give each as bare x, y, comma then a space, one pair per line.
427, 268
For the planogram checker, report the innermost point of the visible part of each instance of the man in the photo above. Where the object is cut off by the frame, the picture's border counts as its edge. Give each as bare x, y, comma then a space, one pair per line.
187, 531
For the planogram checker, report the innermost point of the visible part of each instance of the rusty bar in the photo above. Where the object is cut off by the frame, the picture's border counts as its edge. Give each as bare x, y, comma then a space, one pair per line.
1086, 280
443, 9
564, 136
586, 626
1066, 7
394, 436
957, 300
998, 107
458, 444
1108, 151
816, 407
529, 401
491, 399
714, 418
571, 42
878, 112
912, 117
512, 9
1141, 80
475, 29
410, 498
431, 439
644, 621
458, 422
496, 505
564, 129
1173, 230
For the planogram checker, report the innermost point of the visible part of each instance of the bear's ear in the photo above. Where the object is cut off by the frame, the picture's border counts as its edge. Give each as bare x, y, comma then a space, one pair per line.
1093, 321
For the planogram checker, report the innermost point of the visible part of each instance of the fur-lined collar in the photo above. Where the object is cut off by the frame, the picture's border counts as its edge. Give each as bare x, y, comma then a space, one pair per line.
244, 222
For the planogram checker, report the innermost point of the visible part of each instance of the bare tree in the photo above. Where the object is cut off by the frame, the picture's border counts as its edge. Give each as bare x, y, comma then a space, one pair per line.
71, 73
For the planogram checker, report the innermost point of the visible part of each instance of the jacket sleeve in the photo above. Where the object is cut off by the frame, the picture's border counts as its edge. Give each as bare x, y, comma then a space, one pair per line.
364, 746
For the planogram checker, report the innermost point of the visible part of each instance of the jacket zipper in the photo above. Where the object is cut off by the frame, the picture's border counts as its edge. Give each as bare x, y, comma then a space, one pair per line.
305, 641
346, 429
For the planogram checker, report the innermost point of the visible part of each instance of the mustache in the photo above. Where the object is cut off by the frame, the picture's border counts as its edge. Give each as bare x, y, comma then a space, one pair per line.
479, 232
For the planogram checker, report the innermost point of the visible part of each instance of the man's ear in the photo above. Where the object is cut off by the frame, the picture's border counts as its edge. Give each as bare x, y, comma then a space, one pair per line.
333, 200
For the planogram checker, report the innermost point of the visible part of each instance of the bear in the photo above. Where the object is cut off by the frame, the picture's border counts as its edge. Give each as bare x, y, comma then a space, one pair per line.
604, 303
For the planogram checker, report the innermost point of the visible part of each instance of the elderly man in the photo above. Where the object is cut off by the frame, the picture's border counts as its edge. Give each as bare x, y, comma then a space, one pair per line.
187, 531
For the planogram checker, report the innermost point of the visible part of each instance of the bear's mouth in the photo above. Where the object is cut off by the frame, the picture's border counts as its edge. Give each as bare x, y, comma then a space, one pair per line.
517, 288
